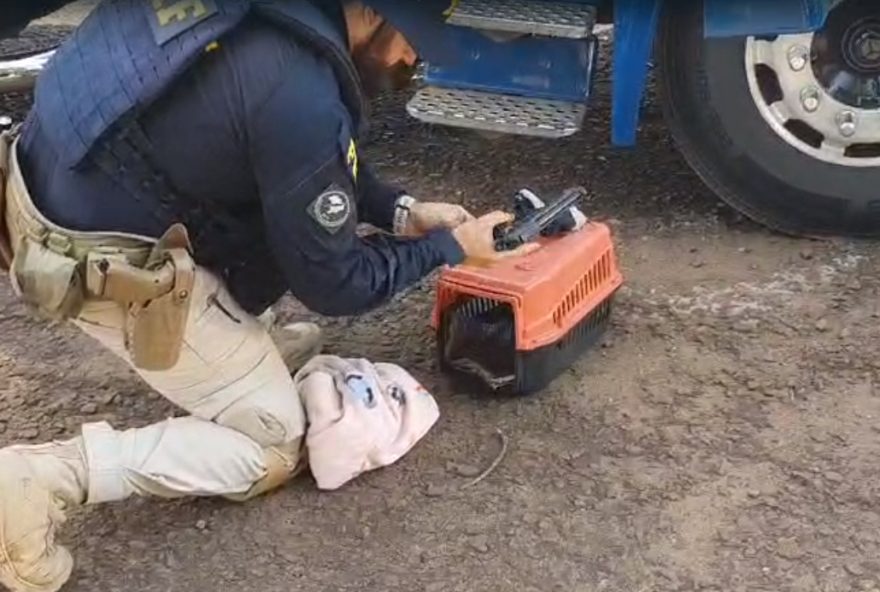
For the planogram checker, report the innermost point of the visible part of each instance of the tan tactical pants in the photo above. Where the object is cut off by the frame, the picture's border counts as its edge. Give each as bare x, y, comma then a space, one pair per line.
247, 426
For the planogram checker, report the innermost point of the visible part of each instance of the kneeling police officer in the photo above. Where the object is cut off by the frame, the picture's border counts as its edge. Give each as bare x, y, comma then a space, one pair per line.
185, 164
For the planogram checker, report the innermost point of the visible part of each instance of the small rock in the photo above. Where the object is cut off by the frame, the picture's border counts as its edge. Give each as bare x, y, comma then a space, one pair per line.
821, 325
89, 409
788, 548
698, 263
365, 532
753, 385
806, 254
834, 476
434, 490
754, 493
480, 544
465, 470
288, 556
845, 333
746, 325
854, 568
30, 433
201, 525
2, 427
169, 559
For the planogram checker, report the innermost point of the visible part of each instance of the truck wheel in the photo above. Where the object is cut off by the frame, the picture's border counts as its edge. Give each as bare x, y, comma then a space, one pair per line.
786, 129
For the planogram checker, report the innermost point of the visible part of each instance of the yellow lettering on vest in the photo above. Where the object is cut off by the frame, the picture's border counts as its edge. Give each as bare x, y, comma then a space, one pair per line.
179, 11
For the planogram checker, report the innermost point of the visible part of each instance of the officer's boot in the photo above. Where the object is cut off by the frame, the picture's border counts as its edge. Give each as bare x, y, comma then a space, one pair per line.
297, 342
37, 484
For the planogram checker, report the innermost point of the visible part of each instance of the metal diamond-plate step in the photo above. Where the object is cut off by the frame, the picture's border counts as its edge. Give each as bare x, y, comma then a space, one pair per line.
498, 113
533, 17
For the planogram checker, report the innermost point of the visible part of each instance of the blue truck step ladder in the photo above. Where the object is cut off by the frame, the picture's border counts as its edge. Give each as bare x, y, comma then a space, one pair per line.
509, 114
520, 67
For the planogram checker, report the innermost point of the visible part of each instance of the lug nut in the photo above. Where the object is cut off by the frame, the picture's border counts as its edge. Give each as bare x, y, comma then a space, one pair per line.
797, 57
810, 99
847, 123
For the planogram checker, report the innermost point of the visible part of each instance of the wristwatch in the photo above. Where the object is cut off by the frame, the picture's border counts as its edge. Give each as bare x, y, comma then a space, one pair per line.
402, 207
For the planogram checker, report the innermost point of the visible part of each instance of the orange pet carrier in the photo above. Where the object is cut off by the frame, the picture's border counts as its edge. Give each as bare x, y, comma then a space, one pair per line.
518, 324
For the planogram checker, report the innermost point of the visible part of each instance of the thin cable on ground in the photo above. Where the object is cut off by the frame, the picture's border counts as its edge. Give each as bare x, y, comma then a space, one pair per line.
495, 463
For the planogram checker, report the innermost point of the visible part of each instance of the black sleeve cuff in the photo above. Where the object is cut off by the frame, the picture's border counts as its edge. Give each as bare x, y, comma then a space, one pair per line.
377, 200
448, 250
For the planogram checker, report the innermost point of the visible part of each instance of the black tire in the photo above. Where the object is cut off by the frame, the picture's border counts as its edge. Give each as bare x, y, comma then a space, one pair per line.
17, 15
719, 130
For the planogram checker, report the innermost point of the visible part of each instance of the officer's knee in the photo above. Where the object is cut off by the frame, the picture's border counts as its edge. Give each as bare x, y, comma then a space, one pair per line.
283, 463
267, 425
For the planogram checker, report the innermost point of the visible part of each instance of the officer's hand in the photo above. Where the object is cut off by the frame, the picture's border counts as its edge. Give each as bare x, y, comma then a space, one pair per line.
478, 242
427, 216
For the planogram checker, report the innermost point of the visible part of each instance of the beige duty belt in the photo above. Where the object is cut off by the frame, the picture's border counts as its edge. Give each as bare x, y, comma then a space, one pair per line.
117, 266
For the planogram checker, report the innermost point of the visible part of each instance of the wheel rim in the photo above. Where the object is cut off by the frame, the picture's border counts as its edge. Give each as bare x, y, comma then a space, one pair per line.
820, 91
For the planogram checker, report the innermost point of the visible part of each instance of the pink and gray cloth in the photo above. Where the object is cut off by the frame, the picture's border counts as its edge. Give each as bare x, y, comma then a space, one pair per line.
361, 416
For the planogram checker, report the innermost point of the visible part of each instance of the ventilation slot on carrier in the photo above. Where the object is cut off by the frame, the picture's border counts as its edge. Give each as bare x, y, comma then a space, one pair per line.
591, 281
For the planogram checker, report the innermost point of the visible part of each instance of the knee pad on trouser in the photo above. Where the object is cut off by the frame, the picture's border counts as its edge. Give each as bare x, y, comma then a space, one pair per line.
283, 463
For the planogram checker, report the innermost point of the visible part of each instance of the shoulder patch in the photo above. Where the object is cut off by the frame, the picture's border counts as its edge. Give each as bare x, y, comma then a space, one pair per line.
170, 18
331, 209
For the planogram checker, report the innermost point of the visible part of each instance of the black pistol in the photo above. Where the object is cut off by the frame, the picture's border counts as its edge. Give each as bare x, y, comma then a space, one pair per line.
529, 227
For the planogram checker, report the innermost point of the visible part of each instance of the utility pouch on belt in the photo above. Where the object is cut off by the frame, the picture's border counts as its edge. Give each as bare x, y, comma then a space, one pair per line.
47, 281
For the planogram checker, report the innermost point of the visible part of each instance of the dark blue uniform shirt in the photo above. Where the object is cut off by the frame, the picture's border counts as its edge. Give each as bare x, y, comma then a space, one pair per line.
259, 127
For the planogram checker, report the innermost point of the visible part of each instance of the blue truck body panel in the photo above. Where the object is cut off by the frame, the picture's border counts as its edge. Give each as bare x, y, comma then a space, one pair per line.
540, 67
725, 18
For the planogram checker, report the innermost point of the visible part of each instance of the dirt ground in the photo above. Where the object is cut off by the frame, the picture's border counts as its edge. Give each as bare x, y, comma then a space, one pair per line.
721, 438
